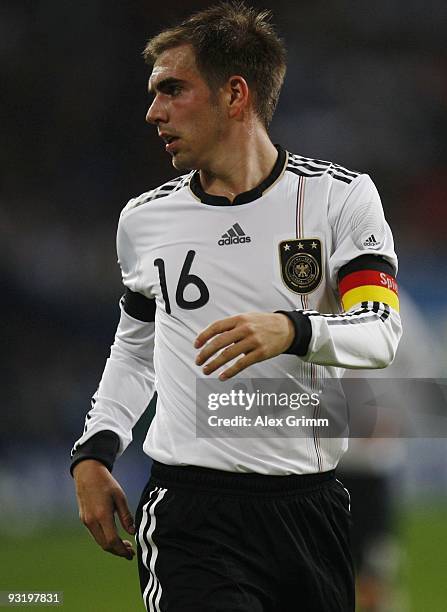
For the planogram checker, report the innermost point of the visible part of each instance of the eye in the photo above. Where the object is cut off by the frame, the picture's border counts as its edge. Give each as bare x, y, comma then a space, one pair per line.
174, 90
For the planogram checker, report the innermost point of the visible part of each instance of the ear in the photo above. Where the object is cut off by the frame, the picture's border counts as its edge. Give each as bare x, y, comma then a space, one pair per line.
238, 96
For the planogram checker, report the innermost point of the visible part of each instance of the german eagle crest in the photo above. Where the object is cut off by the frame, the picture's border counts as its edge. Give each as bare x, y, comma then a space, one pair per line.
301, 267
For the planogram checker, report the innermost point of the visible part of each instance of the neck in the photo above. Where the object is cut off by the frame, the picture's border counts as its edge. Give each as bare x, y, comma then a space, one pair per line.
244, 163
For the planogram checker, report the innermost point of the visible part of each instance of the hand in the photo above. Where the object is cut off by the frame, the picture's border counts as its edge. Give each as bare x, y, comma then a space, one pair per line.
99, 497
256, 335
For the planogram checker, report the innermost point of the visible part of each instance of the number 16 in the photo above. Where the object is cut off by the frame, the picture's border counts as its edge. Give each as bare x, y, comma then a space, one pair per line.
185, 279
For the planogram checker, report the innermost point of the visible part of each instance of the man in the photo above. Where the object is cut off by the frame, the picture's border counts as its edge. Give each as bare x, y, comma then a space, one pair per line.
208, 260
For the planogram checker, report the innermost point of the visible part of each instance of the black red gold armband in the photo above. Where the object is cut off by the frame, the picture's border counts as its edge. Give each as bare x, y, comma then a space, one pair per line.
368, 286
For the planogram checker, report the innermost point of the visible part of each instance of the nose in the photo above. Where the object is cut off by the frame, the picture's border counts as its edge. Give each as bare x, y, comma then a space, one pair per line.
156, 113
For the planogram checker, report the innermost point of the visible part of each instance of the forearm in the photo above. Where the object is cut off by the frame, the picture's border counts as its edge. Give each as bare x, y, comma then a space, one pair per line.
124, 392
366, 336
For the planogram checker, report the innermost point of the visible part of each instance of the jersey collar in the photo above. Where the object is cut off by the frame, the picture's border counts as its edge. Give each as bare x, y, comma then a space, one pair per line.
246, 196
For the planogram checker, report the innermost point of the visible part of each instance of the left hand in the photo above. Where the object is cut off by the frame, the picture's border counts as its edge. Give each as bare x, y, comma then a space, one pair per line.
255, 335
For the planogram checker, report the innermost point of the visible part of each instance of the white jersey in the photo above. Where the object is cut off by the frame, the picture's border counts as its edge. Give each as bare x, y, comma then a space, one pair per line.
277, 247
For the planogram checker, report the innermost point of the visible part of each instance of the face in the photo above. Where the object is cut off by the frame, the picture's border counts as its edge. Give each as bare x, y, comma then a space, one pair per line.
189, 118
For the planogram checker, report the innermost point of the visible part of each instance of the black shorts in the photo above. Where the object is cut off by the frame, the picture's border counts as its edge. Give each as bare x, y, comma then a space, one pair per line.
373, 519
210, 541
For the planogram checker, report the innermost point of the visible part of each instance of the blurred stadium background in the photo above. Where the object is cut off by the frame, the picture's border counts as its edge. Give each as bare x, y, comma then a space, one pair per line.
366, 87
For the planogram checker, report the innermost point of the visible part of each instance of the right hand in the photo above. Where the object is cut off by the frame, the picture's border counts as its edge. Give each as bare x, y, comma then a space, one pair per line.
99, 497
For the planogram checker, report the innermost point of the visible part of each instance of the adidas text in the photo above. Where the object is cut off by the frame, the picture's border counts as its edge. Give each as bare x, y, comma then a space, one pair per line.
235, 240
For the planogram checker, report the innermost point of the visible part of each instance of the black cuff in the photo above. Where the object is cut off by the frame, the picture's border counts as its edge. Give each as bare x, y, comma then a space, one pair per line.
303, 332
103, 447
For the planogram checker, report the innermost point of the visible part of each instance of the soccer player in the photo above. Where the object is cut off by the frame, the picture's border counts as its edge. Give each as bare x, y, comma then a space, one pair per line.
254, 262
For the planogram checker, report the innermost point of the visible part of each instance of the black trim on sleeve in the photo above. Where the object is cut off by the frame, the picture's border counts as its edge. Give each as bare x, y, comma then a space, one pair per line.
103, 446
138, 306
303, 332
366, 262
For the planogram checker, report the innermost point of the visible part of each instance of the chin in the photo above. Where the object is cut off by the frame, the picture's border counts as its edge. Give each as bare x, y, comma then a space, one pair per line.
181, 164
184, 161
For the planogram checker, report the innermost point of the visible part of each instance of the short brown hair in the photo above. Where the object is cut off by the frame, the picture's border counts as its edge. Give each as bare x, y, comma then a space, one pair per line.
231, 39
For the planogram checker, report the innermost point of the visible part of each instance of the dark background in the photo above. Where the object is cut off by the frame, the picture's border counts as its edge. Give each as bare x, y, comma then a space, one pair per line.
366, 87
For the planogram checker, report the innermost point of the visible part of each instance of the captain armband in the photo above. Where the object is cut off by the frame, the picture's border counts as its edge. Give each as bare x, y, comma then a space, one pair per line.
368, 278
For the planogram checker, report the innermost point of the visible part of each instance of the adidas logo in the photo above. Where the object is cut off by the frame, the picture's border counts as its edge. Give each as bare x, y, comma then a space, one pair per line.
370, 241
235, 235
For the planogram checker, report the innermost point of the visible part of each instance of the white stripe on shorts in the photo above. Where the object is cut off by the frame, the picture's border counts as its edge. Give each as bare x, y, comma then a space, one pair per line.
349, 495
147, 543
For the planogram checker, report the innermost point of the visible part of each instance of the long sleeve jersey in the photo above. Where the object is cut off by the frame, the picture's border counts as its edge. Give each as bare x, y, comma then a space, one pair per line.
311, 242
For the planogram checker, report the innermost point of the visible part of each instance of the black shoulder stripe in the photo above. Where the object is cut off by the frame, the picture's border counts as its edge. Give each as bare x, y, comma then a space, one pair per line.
345, 179
306, 165
366, 262
314, 172
351, 173
162, 191
299, 159
138, 306
301, 173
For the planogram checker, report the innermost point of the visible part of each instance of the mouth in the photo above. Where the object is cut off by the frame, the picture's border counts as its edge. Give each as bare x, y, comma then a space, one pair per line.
169, 142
